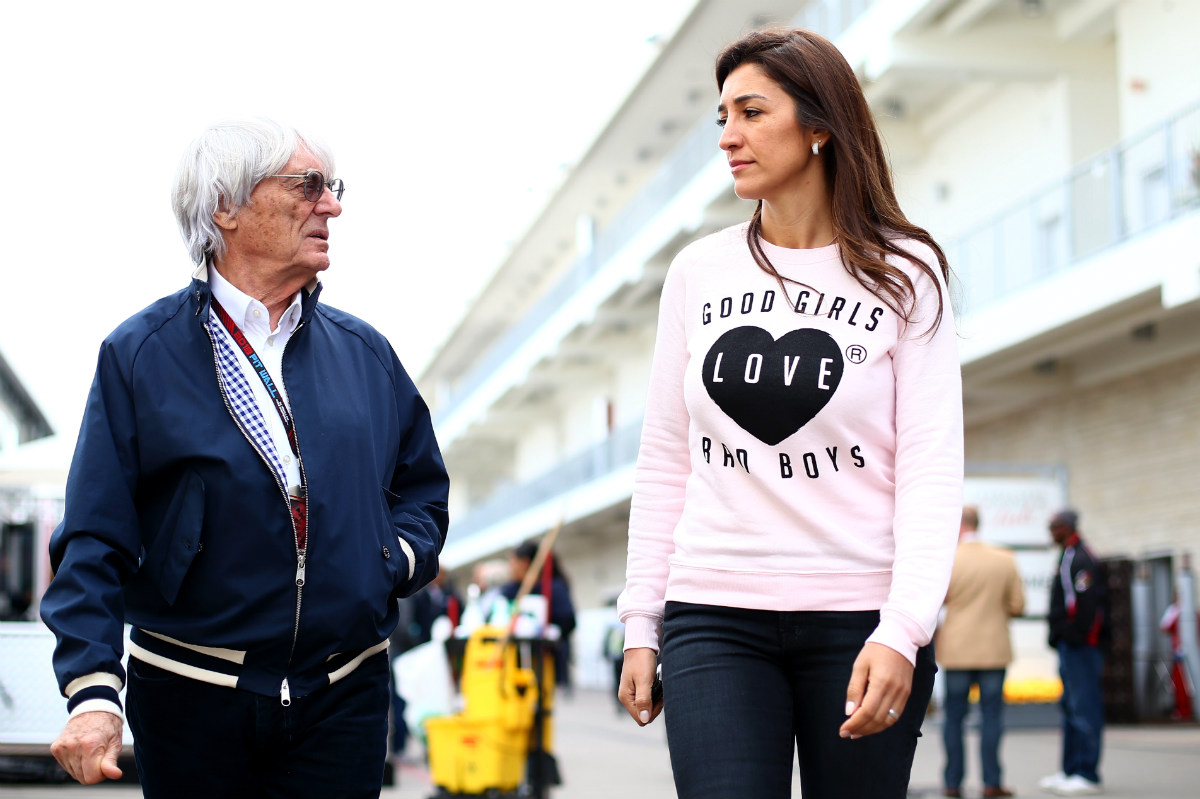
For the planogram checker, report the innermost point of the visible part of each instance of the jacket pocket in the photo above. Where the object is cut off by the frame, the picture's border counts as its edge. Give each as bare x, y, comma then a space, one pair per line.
394, 555
178, 540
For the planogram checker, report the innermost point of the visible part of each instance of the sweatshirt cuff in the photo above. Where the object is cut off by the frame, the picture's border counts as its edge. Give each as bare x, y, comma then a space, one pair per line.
642, 632
892, 635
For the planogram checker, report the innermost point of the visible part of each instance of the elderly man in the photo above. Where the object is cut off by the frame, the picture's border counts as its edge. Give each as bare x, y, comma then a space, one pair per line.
255, 482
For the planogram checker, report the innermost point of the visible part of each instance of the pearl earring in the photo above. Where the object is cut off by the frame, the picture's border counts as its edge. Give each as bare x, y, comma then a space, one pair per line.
817, 147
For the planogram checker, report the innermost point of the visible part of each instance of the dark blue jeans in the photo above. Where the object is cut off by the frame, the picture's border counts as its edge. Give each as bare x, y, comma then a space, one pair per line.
991, 710
1081, 669
745, 689
193, 739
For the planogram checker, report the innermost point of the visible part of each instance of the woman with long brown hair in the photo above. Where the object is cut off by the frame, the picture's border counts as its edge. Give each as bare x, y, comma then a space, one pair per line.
800, 475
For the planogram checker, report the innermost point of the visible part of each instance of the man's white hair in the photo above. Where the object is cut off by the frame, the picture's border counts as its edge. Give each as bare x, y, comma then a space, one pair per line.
220, 169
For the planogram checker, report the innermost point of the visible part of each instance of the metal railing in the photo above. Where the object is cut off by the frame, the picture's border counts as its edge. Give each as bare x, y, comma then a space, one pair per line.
1134, 186
1138, 184
699, 146
617, 451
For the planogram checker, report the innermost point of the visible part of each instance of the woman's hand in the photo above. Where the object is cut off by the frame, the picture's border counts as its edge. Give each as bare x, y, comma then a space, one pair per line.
881, 681
637, 679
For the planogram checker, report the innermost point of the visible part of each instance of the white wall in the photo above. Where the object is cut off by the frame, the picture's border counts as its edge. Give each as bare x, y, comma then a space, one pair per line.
1159, 60
458, 500
10, 432
583, 418
630, 379
986, 158
1129, 447
1094, 113
537, 450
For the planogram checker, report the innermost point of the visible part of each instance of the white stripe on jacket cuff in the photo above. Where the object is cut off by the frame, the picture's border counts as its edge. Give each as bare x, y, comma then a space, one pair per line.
103, 678
408, 553
98, 704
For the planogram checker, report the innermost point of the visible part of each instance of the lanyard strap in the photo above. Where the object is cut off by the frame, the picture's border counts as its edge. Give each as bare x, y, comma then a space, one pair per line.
297, 494
260, 369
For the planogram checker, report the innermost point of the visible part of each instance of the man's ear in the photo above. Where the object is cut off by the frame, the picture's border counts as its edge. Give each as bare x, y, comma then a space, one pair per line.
225, 219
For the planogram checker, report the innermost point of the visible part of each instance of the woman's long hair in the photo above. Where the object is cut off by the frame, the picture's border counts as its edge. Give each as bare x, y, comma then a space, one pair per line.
867, 220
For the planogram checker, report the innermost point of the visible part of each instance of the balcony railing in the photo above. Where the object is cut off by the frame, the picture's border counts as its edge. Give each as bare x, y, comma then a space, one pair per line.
617, 451
1135, 186
698, 147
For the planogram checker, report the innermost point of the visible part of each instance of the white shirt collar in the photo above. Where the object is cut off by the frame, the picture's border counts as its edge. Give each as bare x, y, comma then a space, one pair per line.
243, 308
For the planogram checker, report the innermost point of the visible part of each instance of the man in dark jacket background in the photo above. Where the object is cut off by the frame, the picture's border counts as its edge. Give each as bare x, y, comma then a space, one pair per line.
1081, 631
256, 481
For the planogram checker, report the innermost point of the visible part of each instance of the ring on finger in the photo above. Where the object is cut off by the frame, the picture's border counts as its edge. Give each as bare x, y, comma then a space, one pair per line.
892, 715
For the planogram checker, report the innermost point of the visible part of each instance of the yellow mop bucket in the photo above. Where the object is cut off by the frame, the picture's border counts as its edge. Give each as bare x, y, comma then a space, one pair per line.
467, 757
494, 687
486, 745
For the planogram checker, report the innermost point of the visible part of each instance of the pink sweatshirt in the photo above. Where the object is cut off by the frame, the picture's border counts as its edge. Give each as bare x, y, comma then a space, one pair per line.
798, 452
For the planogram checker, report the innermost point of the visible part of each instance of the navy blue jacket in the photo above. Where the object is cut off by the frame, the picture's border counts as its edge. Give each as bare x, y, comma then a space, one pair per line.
175, 524
1079, 602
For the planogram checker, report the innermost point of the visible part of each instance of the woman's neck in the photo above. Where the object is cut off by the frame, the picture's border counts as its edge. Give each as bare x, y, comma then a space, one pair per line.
798, 226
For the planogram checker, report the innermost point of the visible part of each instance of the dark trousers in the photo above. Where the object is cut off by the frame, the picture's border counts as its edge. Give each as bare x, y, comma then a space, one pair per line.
745, 690
193, 739
991, 711
1082, 670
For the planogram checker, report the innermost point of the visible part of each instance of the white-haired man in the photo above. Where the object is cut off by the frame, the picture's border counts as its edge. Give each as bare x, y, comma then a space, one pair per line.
256, 481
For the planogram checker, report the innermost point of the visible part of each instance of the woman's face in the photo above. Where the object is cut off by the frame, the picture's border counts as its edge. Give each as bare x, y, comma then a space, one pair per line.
770, 154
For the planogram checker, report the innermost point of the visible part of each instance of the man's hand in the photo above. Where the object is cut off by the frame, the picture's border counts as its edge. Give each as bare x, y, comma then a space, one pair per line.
881, 681
88, 747
637, 678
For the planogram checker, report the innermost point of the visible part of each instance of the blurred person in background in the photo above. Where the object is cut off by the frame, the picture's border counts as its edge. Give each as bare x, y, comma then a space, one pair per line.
487, 578
974, 648
791, 533
561, 610
1181, 681
256, 481
1081, 632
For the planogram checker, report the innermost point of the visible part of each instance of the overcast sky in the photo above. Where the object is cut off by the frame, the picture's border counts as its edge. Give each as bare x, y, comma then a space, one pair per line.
450, 123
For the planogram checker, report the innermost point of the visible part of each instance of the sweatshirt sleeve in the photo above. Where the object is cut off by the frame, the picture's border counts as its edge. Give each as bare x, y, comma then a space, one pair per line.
929, 470
663, 467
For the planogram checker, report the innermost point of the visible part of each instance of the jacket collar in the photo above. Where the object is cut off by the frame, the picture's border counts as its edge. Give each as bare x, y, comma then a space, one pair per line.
201, 292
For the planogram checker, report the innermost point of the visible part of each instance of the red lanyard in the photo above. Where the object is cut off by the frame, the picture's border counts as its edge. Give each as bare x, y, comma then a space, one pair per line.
260, 369
298, 503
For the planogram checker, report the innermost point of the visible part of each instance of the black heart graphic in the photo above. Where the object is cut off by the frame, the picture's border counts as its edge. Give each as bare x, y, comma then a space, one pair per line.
772, 388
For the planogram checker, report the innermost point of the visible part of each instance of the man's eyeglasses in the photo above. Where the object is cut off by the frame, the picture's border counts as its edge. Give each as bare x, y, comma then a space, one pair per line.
315, 183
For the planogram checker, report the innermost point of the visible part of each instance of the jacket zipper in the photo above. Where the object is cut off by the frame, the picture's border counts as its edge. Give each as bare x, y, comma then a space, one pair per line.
301, 554
285, 695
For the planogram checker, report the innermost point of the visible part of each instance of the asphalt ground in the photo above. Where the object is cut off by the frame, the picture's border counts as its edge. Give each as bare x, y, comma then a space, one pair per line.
603, 754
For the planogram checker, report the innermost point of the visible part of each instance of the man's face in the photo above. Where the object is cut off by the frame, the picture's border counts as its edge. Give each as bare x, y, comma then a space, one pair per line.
1060, 532
279, 231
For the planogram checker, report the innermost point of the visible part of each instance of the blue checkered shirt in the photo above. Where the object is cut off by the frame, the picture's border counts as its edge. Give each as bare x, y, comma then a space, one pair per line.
241, 398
